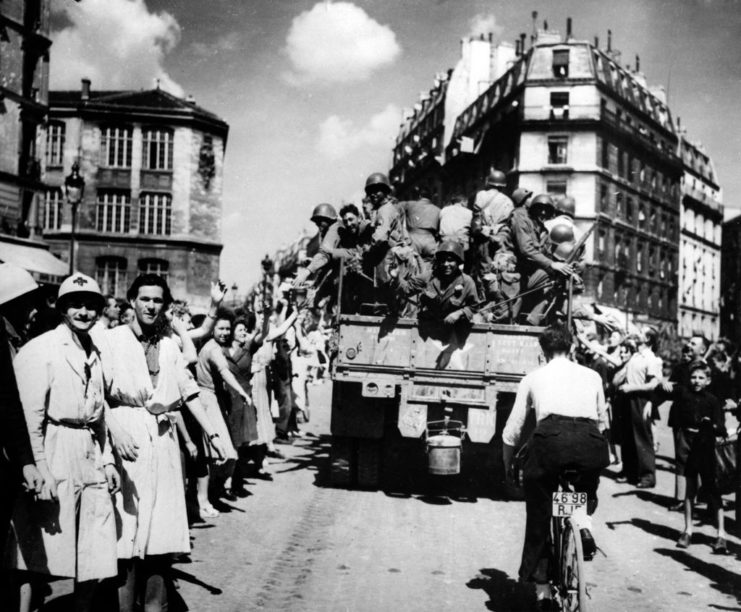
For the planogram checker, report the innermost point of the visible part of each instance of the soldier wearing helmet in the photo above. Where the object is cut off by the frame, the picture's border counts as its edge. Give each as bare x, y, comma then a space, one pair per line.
422, 222
387, 226
491, 207
323, 216
531, 246
344, 239
60, 381
450, 295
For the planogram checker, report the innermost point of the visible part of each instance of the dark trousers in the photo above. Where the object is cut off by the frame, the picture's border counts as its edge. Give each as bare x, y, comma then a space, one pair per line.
287, 407
557, 444
639, 457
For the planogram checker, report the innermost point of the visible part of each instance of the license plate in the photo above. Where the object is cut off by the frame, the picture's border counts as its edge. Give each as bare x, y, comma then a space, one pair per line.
565, 503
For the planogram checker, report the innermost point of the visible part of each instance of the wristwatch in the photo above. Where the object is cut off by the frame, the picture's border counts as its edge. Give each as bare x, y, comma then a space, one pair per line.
213, 435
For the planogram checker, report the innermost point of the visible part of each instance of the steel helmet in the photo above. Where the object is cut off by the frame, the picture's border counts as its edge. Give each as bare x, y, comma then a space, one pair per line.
496, 178
16, 281
324, 211
80, 284
543, 200
564, 250
562, 232
378, 179
566, 205
452, 247
520, 196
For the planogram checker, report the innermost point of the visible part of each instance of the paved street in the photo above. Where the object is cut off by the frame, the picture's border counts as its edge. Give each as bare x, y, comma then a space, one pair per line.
296, 544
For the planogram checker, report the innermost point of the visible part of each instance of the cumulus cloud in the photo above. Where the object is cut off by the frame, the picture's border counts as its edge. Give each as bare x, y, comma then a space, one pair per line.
337, 42
483, 24
339, 137
118, 44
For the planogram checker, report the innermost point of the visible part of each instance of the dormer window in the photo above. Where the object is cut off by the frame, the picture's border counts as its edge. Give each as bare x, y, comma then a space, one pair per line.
561, 63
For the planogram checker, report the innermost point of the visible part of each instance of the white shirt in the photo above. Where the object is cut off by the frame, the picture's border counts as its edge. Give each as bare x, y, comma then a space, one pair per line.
560, 387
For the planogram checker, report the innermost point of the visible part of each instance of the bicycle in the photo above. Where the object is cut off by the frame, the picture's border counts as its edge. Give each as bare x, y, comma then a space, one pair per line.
565, 540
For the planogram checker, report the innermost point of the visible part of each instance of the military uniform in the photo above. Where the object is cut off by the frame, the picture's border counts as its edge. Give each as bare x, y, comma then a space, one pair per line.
422, 221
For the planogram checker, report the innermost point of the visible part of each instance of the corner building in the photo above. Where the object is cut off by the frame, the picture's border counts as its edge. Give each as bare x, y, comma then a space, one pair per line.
563, 116
24, 90
153, 167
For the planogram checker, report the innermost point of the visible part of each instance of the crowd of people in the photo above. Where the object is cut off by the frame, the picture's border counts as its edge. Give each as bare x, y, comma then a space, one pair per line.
694, 390
127, 421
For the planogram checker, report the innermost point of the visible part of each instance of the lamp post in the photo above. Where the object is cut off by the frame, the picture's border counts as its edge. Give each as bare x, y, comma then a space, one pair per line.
235, 289
74, 188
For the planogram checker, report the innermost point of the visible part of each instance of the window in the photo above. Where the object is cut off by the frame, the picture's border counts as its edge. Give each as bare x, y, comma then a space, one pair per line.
557, 149
559, 105
652, 221
53, 202
113, 212
159, 267
157, 149
629, 210
561, 63
619, 204
641, 217
110, 272
155, 213
620, 163
603, 201
639, 259
116, 147
601, 242
55, 143
605, 154
556, 187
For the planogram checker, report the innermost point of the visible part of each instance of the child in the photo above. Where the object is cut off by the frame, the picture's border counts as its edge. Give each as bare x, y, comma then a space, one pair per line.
698, 417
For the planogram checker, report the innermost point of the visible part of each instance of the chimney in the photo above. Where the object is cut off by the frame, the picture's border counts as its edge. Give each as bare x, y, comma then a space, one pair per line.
517, 47
568, 28
609, 40
522, 43
596, 41
638, 63
85, 90
545, 25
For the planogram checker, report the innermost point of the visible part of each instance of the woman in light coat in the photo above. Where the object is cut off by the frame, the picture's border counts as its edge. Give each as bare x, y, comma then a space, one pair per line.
69, 531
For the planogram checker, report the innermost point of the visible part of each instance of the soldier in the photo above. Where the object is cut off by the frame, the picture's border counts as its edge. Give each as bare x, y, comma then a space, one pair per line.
343, 240
388, 230
455, 221
323, 216
450, 294
535, 262
423, 220
491, 208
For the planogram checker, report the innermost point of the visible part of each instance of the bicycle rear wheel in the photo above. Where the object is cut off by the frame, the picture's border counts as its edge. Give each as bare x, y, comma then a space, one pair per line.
572, 584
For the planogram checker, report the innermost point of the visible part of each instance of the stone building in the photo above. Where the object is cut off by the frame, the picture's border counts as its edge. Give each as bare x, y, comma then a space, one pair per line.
153, 166
730, 280
24, 88
701, 218
563, 116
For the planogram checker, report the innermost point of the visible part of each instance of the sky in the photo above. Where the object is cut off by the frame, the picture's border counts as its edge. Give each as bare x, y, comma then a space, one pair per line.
313, 92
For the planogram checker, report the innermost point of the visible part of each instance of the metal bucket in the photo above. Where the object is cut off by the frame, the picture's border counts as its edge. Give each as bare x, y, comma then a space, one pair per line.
444, 455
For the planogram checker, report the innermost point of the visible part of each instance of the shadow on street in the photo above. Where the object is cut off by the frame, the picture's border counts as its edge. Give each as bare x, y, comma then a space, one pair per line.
505, 594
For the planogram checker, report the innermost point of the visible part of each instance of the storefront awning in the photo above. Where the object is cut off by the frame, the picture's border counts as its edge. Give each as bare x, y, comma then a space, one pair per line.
32, 258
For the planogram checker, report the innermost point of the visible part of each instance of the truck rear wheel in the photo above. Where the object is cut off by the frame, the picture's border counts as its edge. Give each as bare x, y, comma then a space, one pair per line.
369, 463
342, 460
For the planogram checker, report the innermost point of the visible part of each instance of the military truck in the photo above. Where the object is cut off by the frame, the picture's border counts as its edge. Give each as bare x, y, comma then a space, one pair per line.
400, 393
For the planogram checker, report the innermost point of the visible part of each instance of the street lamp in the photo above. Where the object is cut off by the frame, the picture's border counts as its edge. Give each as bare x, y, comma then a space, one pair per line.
74, 188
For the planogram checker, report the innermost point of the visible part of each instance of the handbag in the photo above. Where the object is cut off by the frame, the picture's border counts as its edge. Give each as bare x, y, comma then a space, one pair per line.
725, 464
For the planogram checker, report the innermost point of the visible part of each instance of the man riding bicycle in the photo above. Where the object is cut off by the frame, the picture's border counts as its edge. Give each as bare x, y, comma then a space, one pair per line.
570, 413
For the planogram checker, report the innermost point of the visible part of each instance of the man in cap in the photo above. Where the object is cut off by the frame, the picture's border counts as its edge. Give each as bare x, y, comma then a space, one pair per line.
147, 377
16, 457
61, 385
535, 262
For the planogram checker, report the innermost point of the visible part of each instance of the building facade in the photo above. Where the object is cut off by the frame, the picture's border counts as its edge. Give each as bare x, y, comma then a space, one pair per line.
24, 89
730, 275
565, 116
701, 218
153, 167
